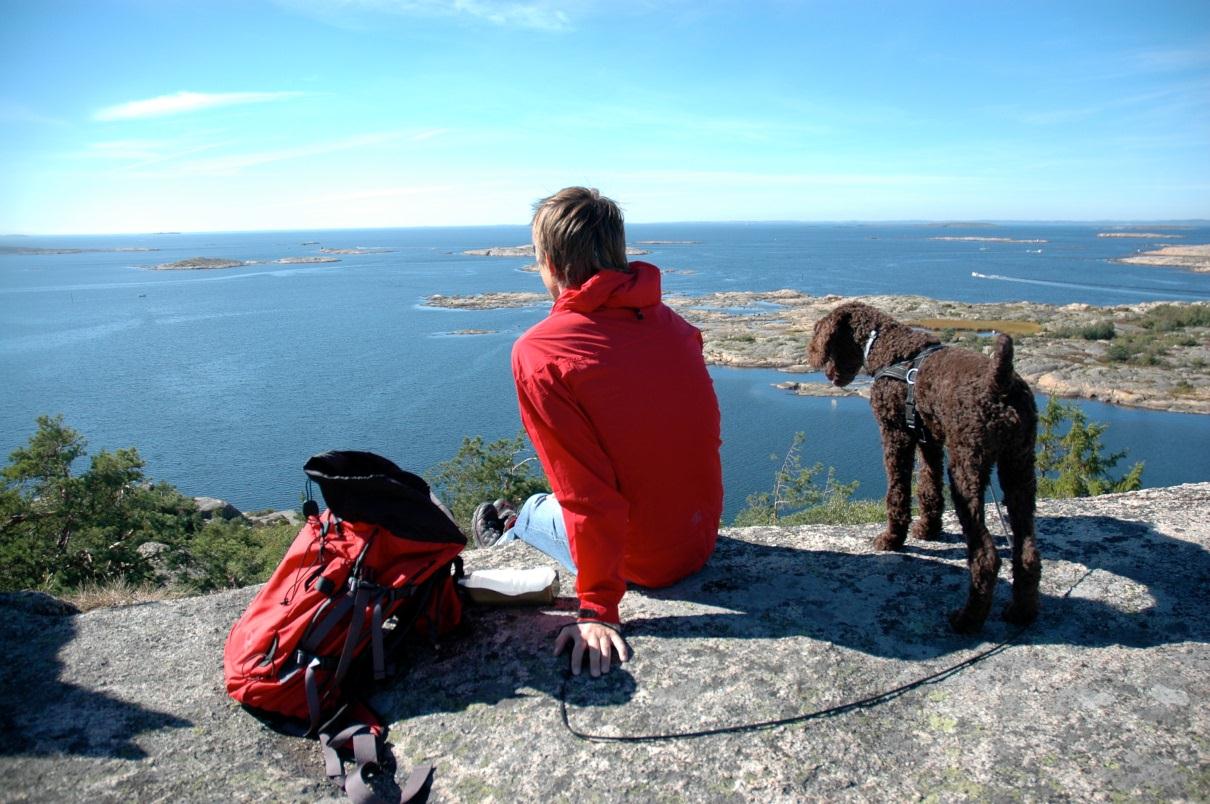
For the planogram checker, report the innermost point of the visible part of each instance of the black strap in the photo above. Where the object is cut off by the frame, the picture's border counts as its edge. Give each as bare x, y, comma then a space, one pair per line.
365, 757
906, 372
361, 602
362, 597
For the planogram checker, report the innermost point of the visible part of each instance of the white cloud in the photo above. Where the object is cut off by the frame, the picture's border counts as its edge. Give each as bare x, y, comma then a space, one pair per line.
230, 165
541, 16
184, 102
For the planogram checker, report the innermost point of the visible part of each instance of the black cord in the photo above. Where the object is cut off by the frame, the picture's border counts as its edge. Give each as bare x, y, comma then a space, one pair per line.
765, 725
832, 711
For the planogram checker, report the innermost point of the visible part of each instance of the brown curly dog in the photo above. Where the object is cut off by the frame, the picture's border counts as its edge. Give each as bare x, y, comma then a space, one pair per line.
977, 407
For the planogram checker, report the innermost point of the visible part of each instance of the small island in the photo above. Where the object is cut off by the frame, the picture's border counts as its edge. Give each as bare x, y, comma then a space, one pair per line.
987, 239
1191, 257
367, 250
527, 250
216, 263
1150, 355
31, 251
1143, 235
199, 264
488, 301
304, 260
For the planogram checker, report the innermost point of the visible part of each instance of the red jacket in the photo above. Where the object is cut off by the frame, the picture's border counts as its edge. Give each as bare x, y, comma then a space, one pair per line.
615, 396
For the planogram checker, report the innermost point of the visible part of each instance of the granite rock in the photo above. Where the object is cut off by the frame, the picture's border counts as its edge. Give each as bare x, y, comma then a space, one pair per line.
214, 508
1104, 697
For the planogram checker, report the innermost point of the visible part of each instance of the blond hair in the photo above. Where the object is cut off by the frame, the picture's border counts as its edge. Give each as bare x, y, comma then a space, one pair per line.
581, 232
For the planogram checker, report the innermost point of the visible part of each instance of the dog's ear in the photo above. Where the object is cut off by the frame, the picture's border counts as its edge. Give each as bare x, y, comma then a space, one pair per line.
826, 329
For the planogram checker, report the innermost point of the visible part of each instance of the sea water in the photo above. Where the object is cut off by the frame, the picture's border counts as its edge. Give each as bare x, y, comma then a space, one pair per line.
226, 380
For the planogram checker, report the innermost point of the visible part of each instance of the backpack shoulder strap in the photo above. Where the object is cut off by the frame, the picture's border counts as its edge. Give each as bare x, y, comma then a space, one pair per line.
364, 743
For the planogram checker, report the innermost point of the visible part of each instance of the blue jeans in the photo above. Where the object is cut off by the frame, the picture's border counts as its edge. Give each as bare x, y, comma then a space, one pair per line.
540, 525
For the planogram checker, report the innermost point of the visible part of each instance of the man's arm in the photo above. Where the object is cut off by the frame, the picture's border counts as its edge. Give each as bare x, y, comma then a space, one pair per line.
583, 480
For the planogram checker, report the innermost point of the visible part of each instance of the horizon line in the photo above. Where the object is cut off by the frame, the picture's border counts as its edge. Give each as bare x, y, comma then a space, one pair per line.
734, 221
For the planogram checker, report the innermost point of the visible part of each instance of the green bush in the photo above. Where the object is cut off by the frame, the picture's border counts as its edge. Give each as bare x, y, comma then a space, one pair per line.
796, 499
1171, 317
1071, 464
62, 531
1096, 331
481, 472
230, 554
1100, 331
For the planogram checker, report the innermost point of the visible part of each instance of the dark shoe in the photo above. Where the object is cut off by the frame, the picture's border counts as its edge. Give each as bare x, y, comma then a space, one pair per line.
507, 513
486, 525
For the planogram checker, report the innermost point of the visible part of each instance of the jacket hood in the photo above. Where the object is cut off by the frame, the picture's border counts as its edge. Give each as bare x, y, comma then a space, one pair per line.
607, 289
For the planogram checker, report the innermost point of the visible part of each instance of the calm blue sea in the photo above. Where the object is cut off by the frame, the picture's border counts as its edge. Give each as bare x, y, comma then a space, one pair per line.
228, 380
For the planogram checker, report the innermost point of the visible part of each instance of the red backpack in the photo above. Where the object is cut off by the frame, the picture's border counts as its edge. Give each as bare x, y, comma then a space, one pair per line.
381, 563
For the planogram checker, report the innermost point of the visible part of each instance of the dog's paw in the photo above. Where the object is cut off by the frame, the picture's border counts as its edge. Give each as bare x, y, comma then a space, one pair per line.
1019, 615
925, 531
964, 623
888, 541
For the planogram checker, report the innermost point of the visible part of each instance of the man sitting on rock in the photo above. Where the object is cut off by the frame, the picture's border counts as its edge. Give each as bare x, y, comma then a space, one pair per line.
615, 396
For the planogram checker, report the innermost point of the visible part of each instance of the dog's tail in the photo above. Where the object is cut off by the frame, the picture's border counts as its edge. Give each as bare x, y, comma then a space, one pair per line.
1001, 373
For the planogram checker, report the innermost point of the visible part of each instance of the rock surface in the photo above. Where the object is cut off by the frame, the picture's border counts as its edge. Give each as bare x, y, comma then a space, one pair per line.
1191, 257
214, 508
284, 517
1106, 696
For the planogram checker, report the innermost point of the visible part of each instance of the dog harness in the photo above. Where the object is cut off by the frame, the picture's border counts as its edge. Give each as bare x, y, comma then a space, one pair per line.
906, 371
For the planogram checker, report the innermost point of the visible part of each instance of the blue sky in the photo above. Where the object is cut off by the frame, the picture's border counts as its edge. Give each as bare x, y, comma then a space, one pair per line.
166, 115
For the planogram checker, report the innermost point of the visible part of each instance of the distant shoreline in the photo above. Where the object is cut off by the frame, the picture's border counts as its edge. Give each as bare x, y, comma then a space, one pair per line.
1141, 235
1192, 257
989, 239
219, 263
527, 250
31, 251
745, 329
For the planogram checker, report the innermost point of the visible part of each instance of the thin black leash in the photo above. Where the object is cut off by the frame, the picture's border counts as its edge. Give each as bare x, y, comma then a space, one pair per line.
821, 714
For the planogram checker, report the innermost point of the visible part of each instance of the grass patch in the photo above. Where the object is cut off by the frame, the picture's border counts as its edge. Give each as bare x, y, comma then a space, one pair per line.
1172, 317
1014, 328
118, 592
1097, 331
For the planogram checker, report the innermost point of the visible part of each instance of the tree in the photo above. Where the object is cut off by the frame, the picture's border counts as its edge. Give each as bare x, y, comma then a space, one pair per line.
58, 530
795, 499
1071, 464
481, 472
230, 554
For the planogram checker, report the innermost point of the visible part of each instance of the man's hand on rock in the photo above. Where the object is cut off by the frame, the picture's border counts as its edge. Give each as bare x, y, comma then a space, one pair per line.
598, 639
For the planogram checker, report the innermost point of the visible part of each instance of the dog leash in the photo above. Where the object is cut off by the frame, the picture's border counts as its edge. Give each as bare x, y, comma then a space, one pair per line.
767, 725
867, 702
